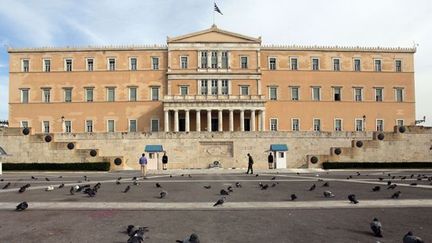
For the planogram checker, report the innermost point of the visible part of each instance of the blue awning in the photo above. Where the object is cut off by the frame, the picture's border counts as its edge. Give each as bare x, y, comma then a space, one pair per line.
278, 147
153, 148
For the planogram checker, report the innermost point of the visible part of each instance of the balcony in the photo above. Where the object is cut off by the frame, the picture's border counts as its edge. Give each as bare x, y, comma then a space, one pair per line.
214, 98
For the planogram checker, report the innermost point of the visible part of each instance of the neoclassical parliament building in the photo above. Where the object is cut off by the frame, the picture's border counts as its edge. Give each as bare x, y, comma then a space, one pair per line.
212, 80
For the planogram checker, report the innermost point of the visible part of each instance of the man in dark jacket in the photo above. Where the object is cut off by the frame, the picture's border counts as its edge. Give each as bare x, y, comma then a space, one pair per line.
164, 161
250, 164
270, 160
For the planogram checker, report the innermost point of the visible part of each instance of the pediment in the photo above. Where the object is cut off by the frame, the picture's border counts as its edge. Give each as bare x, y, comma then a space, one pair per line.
213, 35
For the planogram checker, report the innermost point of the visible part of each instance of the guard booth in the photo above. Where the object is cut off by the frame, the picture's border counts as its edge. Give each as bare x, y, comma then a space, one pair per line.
2, 154
152, 152
279, 154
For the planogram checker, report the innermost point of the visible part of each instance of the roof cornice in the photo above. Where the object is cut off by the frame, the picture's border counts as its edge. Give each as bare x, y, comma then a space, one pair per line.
338, 48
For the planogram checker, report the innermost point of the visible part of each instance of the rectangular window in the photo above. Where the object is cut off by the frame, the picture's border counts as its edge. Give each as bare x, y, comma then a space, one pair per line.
315, 64
338, 124
110, 94
337, 93
295, 93
316, 93
132, 125
378, 94
111, 64
46, 95
358, 94
398, 66
295, 123
359, 125
155, 63
214, 59
132, 94
224, 59
155, 125
68, 126
89, 126
25, 65
336, 64
224, 86
155, 93
68, 65
357, 65
89, 94
110, 126
244, 90
399, 94
273, 93
294, 63
204, 85
90, 64
133, 64
214, 87
47, 65
184, 62
184, 90
379, 125
24, 124
317, 125
25, 95
399, 122
46, 126
68, 95
377, 65
204, 59
272, 63
273, 124
244, 62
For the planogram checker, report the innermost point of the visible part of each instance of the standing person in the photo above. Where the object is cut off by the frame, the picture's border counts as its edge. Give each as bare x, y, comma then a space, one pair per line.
143, 163
270, 160
164, 161
250, 164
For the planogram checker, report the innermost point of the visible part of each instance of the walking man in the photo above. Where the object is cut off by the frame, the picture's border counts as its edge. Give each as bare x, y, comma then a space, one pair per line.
143, 163
250, 164
164, 161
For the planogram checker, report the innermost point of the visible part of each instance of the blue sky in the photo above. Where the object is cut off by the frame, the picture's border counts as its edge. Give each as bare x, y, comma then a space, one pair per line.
35, 23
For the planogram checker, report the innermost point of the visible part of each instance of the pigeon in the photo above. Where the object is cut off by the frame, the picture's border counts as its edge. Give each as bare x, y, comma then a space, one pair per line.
264, 187
352, 199
273, 185
380, 178
376, 188
376, 227
126, 189
326, 184
412, 175
23, 188
358, 173
182, 174
60, 177
118, 182
293, 197
219, 202
49, 188
130, 229
97, 186
207, 187
230, 189
393, 186
135, 183
91, 192
6, 186
163, 194
119, 178
273, 178
33, 178
189, 176
393, 177
158, 185
312, 187
328, 194
389, 183
47, 179
238, 185
72, 190
85, 178
22, 206
137, 236
61, 185
403, 177
413, 184
256, 175
76, 187
134, 178
396, 195
411, 238
170, 176
193, 238
223, 192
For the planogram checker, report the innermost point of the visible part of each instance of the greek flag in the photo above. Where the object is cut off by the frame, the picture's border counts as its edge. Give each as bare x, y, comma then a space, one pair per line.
216, 8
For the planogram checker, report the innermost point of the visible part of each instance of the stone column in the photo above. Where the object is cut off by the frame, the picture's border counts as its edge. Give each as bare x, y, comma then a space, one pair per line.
259, 87
208, 120
219, 83
176, 120
259, 120
166, 124
252, 120
242, 120
263, 119
231, 120
220, 120
198, 121
187, 121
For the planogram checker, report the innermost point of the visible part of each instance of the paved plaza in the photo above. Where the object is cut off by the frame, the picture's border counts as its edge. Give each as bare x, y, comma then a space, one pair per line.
249, 214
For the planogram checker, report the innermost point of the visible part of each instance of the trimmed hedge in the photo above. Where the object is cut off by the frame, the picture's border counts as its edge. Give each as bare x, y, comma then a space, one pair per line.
376, 165
99, 166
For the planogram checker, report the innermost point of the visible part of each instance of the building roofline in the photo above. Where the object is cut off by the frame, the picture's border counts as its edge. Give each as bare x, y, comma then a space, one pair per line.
89, 48
338, 48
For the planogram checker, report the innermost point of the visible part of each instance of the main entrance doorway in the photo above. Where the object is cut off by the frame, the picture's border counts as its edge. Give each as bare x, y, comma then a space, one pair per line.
214, 124
247, 124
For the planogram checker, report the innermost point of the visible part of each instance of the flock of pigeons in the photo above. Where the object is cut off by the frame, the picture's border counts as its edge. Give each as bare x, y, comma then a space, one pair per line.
136, 234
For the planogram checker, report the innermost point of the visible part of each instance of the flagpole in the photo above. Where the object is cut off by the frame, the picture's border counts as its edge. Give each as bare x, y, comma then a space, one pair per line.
213, 12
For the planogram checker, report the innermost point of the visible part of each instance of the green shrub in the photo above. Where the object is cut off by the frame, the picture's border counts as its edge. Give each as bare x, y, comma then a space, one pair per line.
377, 165
99, 166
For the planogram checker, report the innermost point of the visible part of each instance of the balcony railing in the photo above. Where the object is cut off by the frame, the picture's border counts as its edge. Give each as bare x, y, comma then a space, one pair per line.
174, 98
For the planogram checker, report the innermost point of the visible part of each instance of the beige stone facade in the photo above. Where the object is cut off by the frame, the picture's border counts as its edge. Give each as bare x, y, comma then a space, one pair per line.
211, 80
